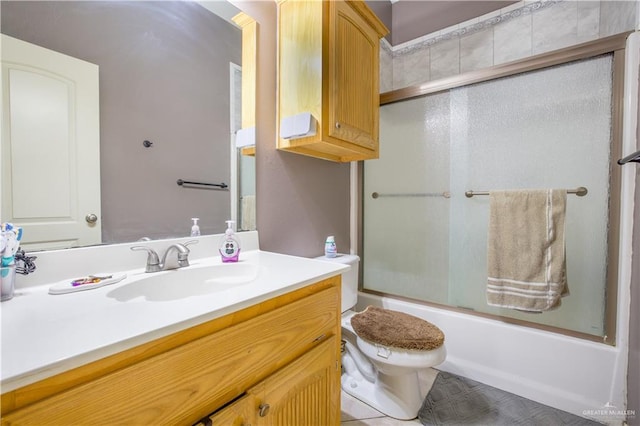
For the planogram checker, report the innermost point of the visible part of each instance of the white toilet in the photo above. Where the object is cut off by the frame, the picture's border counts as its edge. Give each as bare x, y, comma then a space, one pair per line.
383, 375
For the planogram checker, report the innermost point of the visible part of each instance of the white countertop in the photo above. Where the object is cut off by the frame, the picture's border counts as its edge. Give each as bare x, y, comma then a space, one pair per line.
44, 335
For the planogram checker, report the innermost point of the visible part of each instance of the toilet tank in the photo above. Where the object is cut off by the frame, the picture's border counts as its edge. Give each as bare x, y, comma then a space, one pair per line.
349, 278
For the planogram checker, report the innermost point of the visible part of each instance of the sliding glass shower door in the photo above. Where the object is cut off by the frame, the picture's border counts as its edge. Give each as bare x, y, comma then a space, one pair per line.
551, 128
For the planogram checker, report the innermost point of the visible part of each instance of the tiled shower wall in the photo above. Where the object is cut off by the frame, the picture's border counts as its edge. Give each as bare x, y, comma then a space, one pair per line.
521, 30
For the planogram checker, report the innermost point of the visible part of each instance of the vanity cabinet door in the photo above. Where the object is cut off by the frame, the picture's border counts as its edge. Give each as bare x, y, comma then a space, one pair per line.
305, 392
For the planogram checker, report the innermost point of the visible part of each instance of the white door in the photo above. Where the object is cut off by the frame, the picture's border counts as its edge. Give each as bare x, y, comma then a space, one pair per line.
50, 158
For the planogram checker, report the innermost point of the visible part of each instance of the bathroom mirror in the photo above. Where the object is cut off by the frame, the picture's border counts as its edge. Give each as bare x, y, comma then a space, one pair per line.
169, 95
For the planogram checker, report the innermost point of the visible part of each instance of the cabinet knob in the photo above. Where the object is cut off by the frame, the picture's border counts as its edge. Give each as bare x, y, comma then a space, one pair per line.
91, 218
263, 410
337, 125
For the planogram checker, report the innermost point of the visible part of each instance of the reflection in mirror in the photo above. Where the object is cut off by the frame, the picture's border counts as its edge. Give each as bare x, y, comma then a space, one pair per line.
167, 105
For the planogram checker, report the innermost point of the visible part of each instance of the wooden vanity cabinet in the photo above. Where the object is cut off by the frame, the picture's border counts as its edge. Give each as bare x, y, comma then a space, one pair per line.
328, 65
298, 394
282, 353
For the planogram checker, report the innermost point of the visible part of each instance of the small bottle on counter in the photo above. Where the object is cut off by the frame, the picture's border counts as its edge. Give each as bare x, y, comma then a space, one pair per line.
330, 249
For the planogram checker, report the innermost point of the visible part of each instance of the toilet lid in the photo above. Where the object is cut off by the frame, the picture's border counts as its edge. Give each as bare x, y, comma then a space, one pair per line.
396, 329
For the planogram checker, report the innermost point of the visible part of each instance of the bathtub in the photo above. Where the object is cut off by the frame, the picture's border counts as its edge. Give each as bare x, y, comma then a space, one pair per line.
571, 374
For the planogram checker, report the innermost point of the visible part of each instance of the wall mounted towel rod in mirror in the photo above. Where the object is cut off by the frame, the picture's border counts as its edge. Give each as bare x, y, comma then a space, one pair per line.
214, 185
633, 158
445, 194
580, 191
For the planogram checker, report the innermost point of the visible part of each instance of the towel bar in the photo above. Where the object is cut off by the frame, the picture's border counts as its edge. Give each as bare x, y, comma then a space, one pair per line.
633, 158
414, 194
214, 185
580, 191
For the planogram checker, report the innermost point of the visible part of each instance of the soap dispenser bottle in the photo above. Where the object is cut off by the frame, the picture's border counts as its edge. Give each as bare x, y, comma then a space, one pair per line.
229, 245
195, 229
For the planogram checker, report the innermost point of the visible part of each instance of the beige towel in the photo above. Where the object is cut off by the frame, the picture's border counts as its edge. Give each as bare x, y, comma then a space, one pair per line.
526, 249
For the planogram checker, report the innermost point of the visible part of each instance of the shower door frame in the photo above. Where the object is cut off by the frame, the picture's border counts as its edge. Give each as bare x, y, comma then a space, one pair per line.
614, 45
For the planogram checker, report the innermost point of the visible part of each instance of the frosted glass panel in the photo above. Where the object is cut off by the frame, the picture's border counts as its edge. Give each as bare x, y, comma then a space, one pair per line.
545, 129
406, 237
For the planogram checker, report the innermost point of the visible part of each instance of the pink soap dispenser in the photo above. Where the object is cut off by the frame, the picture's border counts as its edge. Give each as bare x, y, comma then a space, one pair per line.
229, 245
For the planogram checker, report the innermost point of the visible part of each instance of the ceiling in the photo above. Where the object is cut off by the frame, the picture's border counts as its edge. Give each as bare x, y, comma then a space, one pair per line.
411, 19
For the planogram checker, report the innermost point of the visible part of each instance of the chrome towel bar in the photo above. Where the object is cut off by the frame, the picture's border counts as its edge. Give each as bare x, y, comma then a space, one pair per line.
580, 191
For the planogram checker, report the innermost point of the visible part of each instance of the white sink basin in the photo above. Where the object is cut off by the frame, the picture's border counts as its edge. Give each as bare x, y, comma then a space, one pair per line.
186, 282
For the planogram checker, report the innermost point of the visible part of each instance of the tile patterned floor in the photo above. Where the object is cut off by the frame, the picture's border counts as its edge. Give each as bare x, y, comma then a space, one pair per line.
356, 413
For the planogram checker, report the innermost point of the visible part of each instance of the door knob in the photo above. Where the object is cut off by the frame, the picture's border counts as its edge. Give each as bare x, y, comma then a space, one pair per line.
91, 218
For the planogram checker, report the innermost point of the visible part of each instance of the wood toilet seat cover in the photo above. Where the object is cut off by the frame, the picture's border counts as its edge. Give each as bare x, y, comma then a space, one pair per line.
396, 329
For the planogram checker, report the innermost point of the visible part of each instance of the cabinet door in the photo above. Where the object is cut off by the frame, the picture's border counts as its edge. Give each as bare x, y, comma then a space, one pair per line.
305, 392
353, 89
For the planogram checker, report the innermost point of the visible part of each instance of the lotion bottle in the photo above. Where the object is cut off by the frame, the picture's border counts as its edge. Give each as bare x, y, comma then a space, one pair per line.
330, 249
195, 229
229, 245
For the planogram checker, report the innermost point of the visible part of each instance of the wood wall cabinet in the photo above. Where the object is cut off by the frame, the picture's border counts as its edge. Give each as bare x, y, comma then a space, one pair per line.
328, 65
249, 75
283, 353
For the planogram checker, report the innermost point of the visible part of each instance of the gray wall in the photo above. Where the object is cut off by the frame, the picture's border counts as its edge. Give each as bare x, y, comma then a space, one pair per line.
300, 200
164, 77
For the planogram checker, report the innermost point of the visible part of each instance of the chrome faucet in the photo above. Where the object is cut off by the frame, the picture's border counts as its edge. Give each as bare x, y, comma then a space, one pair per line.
153, 261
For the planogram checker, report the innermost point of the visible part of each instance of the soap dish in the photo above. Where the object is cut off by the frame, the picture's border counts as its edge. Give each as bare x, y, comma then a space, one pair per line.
86, 283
